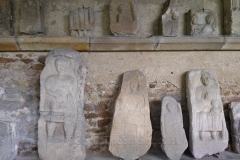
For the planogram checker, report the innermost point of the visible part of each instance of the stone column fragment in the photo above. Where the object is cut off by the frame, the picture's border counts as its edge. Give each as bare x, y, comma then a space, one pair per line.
61, 127
174, 141
234, 113
131, 132
208, 131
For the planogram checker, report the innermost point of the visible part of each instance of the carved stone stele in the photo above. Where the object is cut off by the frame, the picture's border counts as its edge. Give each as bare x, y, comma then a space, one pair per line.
203, 23
61, 127
234, 114
208, 132
174, 141
170, 19
8, 139
124, 17
31, 17
5, 18
81, 21
131, 132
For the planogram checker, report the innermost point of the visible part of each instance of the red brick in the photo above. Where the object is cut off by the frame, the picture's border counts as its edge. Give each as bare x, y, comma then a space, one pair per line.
37, 66
26, 60
7, 60
102, 106
105, 114
91, 115
104, 122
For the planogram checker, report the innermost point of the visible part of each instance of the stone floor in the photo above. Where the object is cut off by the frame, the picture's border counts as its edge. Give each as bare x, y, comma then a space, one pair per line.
149, 156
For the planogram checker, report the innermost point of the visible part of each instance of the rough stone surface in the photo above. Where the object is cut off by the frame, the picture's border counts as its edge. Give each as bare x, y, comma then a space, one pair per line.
5, 18
170, 19
61, 127
203, 22
208, 132
31, 17
131, 134
82, 21
235, 19
174, 141
124, 17
234, 113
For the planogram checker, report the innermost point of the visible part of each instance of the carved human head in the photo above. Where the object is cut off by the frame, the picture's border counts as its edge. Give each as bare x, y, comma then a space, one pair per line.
175, 15
207, 78
195, 20
209, 19
214, 103
123, 7
172, 107
134, 85
62, 65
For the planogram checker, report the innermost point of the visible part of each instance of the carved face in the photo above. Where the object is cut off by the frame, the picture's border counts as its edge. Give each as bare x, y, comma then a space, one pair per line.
133, 85
195, 20
206, 79
175, 16
123, 8
171, 107
210, 19
62, 65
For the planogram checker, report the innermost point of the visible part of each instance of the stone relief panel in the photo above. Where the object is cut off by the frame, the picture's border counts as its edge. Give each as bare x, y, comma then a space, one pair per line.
203, 23
61, 127
170, 19
174, 141
124, 19
31, 17
131, 127
5, 18
208, 132
8, 139
82, 21
234, 113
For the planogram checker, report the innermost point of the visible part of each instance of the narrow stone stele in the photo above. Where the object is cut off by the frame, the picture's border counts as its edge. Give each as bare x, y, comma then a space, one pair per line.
174, 141
234, 113
124, 19
208, 131
131, 132
61, 127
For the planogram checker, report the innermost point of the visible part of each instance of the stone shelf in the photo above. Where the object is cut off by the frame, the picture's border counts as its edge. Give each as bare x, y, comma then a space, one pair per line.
155, 43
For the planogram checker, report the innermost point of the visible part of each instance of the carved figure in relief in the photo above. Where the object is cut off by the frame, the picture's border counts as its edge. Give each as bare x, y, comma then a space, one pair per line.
236, 5
208, 132
30, 22
123, 17
82, 21
131, 135
204, 23
61, 103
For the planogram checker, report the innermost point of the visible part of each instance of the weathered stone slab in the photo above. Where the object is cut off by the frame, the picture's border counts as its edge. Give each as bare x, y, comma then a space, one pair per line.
81, 21
8, 139
234, 113
208, 132
174, 141
5, 18
203, 22
124, 17
170, 19
61, 127
31, 17
235, 17
131, 128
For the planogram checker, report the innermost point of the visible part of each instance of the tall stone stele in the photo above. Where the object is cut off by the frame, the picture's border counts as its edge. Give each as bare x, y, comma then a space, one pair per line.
174, 141
31, 21
61, 127
124, 19
131, 132
234, 113
208, 132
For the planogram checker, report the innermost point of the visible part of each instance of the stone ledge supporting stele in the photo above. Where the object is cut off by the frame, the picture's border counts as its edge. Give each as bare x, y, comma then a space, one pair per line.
155, 43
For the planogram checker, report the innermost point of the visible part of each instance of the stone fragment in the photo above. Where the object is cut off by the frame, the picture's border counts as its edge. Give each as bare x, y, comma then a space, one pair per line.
234, 113
170, 19
203, 23
174, 141
5, 18
81, 21
124, 17
31, 17
61, 127
131, 132
235, 18
8, 139
208, 132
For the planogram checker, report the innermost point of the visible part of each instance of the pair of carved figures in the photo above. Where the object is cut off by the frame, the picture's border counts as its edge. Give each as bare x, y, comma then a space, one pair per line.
61, 123
208, 132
